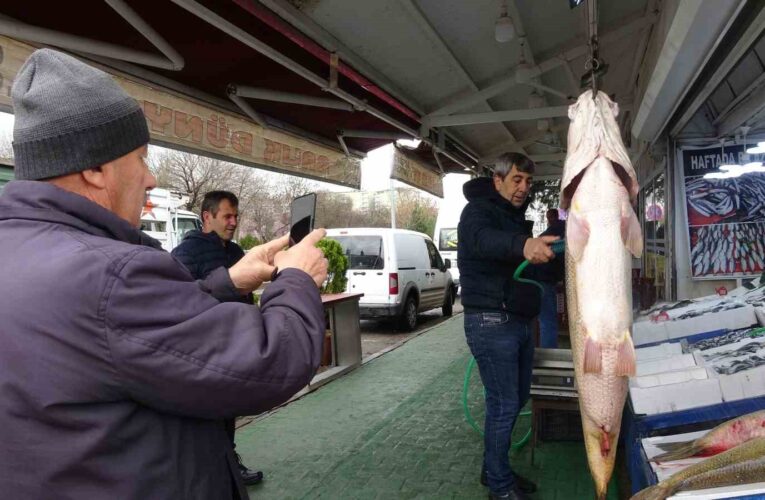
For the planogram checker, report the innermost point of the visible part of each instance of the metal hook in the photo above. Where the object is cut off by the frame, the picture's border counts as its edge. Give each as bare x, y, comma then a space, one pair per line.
594, 63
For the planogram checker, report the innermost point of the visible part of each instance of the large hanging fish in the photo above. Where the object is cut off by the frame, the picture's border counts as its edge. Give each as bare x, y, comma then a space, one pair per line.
599, 188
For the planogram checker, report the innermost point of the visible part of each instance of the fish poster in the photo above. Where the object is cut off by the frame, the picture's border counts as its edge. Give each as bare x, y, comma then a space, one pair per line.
725, 217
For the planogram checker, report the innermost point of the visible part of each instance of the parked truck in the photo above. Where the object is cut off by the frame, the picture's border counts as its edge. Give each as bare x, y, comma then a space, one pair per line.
163, 220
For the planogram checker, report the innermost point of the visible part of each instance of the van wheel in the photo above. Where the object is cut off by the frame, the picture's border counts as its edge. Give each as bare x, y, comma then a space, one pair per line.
448, 307
408, 319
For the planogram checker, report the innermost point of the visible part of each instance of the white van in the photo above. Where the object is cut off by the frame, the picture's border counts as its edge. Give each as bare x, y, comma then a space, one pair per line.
399, 272
445, 235
164, 221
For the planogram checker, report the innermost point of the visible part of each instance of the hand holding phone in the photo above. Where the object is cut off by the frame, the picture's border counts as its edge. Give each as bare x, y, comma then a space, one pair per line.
305, 256
302, 215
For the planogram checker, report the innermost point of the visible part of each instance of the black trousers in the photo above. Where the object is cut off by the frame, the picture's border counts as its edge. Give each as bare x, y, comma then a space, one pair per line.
230, 426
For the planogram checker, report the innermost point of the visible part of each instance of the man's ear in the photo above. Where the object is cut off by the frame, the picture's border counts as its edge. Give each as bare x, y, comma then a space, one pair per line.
94, 177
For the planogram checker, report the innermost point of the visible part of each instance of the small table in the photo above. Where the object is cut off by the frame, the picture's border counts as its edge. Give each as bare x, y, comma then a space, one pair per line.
343, 311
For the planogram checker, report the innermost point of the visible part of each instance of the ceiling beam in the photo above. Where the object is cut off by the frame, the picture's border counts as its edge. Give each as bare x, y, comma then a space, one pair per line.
743, 113
419, 17
526, 141
743, 44
304, 23
548, 157
496, 116
515, 77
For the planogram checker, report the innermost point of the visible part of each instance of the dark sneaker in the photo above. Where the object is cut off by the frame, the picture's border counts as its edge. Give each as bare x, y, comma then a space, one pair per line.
249, 476
515, 494
521, 483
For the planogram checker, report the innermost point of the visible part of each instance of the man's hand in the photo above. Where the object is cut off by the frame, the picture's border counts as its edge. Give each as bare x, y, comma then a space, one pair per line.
257, 265
306, 257
537, 250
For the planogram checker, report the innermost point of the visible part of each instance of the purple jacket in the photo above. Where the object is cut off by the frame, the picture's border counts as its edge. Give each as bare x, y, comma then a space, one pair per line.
117, 368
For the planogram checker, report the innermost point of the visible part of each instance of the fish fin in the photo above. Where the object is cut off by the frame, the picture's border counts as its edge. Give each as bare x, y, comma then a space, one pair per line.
592, 351
577, 233
625, 357
605, 443
632, 236
677, 451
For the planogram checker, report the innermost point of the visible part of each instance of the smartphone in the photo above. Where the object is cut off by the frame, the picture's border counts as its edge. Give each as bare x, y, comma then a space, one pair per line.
302, 215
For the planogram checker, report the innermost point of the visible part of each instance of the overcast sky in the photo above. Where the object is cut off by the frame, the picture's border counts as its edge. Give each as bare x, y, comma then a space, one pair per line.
375, 172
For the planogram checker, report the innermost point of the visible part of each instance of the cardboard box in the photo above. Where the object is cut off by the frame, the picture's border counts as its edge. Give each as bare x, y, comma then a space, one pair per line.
675, 397
666, 350
648, 332
743, 385
732, 319
671, 377
681, 362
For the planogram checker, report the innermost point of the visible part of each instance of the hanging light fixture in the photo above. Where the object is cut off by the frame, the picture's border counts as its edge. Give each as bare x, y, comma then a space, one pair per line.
504, 29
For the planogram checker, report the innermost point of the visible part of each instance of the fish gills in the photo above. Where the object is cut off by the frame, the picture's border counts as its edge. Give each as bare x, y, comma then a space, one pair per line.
723, 437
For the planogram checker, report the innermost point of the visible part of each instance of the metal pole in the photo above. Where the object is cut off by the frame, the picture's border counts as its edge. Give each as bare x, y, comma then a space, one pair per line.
252, 42
16, 29
373, 134
392, 204
277, 96
248, 110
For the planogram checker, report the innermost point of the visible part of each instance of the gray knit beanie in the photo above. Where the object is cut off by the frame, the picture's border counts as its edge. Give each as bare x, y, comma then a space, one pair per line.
70, 117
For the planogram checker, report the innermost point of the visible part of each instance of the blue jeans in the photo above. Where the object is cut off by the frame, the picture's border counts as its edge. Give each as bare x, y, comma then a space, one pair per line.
503, 346
548, 317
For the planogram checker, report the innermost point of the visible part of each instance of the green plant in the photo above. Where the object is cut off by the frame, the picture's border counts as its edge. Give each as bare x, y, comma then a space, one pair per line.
338, 265
248, 241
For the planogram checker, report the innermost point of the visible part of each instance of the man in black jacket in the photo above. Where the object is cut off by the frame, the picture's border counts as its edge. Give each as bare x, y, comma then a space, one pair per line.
494, 239
204, 251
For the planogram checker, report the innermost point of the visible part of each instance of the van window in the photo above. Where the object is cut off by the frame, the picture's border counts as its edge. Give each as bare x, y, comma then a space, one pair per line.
156, 226
185, 225
435, 257
447, 239
363, 252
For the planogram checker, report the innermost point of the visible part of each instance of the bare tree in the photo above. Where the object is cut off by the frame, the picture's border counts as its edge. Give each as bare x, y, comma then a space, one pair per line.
335, 210
6, 145
192, 174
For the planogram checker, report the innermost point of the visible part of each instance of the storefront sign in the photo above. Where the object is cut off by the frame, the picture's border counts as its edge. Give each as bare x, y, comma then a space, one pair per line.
178, 121
407, 169
725, 217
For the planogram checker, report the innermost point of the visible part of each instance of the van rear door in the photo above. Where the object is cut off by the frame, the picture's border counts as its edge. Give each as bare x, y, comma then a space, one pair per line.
366, 272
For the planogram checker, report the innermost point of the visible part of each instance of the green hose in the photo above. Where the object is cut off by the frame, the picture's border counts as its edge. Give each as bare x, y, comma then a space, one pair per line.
558, 248
469, 417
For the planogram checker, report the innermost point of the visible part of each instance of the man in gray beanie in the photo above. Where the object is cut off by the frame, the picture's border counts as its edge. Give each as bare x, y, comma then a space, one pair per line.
116, 367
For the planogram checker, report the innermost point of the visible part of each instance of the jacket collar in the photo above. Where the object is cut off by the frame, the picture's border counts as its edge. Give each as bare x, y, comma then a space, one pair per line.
482, 188
44, 202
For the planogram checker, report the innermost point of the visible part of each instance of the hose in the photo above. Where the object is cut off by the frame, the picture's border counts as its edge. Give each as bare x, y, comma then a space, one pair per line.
469, 417
557, 248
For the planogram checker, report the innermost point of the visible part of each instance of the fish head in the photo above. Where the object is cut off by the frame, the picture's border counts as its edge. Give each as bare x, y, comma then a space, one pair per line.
593, 132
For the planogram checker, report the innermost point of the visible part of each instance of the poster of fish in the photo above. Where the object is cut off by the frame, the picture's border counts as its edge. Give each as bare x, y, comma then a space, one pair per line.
726, 217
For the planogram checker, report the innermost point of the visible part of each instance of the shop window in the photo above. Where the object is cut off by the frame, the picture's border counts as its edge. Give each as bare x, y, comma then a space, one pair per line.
653, 208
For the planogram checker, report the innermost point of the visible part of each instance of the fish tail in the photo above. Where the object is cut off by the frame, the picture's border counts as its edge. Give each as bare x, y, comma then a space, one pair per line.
625, 358
592, 352
676, 451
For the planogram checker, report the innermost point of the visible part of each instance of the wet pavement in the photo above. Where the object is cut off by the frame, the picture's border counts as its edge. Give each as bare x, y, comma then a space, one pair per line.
395, 428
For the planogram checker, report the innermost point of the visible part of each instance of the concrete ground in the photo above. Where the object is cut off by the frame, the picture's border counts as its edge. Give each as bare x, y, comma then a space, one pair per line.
395, 428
